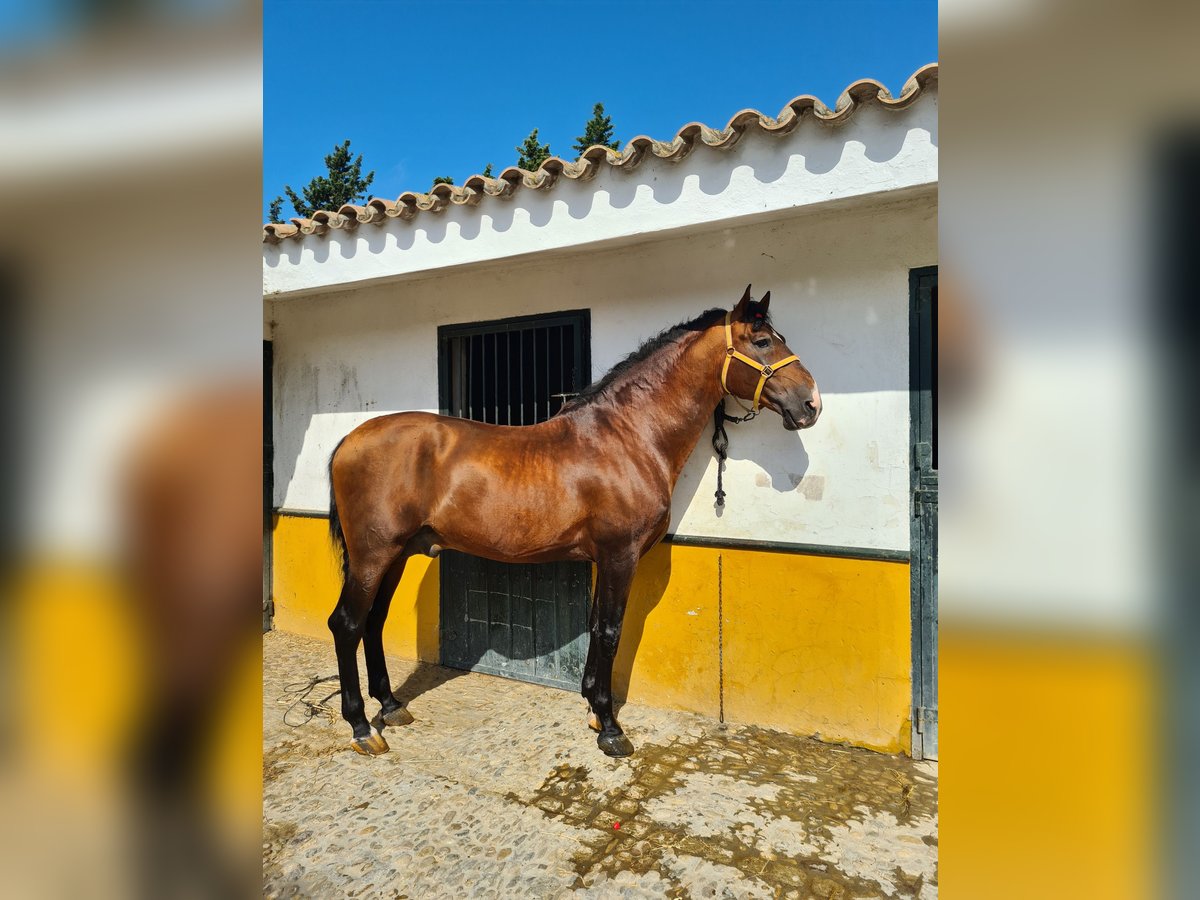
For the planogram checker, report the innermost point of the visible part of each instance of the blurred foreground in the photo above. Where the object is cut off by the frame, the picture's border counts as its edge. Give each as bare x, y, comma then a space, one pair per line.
129, 274
1068, 220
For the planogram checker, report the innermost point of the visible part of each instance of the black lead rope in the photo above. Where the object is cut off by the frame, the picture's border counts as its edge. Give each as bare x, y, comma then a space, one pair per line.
720, 442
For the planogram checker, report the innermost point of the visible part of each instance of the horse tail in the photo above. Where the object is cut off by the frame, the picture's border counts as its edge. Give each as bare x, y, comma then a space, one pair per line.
335, 523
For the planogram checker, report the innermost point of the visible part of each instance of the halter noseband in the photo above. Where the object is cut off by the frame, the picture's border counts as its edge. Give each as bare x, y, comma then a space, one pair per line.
764, 371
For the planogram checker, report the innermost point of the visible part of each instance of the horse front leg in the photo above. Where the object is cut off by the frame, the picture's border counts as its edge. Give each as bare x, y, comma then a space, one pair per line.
614, 578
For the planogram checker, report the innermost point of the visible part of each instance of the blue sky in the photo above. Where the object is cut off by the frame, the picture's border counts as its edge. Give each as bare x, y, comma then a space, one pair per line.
428, 89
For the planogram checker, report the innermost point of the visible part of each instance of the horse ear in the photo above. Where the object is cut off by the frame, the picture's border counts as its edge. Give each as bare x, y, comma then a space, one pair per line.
764, 303
739, 311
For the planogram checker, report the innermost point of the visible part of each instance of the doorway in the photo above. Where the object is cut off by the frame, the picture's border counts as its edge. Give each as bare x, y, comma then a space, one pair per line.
524, 621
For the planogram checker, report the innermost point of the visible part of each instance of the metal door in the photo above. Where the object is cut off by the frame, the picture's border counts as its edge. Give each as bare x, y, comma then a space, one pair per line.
268, 485
923, 393
522, 621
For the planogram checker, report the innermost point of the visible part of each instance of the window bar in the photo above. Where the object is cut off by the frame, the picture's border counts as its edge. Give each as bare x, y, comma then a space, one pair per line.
508, 378
483, 382
499, 397
577, 359
495, 378
514, 356
583, 377
533, 408
521, 373
477, 362
455, 370
469, 344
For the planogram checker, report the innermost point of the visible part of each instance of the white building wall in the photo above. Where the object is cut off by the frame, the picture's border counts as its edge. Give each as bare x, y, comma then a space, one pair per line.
839, 280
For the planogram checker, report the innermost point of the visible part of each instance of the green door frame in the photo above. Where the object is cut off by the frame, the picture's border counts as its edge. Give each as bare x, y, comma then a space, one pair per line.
268, 484
924, 524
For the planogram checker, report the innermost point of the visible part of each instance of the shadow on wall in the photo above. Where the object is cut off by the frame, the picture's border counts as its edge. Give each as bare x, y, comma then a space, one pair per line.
766, 444
649, 588
650, 585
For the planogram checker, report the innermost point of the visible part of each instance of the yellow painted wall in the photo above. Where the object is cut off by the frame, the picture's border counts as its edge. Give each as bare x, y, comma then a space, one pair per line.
668, 651
812, 645
307, 578
819, 645
1050, 752
74, 659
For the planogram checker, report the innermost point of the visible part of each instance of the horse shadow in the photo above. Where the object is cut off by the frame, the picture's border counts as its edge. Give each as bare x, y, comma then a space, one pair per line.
649, 587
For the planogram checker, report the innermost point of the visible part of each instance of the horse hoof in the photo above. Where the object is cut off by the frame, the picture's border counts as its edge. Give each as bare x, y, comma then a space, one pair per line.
398, 717
593, 721
371, 745
615, 745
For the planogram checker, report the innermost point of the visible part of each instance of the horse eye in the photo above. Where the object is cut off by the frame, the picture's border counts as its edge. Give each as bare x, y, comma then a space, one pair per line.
763, 343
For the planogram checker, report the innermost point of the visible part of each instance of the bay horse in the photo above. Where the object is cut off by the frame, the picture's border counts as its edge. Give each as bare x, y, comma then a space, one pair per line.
593, 483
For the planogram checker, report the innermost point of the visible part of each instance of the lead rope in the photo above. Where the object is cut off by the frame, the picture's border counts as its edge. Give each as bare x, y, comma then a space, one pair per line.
720, 442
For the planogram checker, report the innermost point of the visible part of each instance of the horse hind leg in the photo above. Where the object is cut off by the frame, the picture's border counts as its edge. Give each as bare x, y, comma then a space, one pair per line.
348, 622
379, 684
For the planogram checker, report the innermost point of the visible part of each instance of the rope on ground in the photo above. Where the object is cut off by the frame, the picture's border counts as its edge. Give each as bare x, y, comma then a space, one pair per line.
303, 705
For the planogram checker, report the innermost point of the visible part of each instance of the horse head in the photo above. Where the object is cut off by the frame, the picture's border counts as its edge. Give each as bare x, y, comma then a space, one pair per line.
760, 366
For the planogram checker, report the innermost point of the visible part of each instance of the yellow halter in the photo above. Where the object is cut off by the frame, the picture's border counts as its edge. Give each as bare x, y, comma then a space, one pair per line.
764, 372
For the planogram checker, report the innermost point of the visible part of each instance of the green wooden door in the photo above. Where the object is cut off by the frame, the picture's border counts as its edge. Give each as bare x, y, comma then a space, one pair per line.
268, 484
522, 621
924, 482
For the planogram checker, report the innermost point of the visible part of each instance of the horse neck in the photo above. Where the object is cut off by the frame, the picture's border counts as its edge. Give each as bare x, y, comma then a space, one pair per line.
671, 415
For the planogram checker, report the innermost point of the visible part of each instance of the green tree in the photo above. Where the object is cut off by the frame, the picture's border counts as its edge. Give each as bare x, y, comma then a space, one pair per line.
487, 171
343, 183
532, 152
443, 179
277, 210
598, 130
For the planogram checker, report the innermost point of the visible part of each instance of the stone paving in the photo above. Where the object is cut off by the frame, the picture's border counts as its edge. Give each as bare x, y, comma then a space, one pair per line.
498, 790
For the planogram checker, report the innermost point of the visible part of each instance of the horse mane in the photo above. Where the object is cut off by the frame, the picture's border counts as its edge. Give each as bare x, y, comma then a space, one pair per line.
664, 339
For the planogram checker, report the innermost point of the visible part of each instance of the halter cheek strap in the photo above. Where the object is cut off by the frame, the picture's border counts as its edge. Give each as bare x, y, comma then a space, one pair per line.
764, 371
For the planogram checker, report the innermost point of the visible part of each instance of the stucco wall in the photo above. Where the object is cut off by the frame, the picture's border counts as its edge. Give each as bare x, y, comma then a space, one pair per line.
839, 277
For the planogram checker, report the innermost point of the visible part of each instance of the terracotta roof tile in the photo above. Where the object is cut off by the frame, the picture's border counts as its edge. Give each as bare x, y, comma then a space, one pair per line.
686, 139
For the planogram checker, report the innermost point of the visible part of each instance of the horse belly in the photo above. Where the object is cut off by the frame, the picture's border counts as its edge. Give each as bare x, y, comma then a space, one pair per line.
511, 523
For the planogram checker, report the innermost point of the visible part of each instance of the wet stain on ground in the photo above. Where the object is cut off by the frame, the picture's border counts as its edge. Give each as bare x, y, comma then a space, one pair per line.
818, 790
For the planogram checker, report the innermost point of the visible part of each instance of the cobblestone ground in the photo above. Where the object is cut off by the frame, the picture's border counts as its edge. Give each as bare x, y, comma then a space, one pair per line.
498, 790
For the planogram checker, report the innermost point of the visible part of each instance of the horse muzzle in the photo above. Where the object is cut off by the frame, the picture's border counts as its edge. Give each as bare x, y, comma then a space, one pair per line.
804, 414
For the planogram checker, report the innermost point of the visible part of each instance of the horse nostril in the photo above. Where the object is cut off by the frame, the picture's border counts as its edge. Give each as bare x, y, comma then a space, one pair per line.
810, 406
